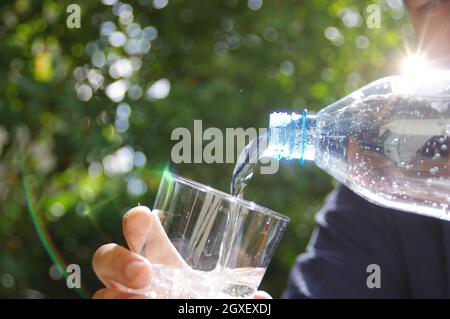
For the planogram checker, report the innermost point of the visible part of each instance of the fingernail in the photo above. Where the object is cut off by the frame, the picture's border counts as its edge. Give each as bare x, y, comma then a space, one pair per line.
133, 269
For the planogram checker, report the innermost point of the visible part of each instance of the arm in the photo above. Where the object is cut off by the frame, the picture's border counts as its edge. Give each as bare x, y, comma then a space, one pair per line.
351, 234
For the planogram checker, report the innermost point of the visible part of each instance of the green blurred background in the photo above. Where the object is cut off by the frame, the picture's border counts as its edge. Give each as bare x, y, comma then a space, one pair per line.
86, 114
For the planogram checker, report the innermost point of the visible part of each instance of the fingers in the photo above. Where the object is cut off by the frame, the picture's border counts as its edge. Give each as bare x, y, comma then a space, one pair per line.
144, 233
136, 225
114, 265
111, 293
118, 267
261, 295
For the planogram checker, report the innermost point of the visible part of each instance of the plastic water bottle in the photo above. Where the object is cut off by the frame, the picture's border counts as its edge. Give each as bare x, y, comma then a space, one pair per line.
388, 142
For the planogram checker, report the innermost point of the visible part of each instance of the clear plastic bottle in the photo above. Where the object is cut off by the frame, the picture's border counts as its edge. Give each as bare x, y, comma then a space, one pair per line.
388, 142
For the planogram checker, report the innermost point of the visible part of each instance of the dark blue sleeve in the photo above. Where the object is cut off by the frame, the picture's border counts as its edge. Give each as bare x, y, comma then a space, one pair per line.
351, 234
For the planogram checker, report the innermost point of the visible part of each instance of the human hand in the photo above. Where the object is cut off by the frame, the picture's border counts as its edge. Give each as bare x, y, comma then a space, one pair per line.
123, 271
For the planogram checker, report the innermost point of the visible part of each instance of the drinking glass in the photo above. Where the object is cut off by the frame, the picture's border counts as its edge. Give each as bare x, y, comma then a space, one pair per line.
218, 246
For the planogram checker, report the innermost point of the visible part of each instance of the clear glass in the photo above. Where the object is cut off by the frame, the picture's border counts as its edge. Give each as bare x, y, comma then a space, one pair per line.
225, 242
388, 142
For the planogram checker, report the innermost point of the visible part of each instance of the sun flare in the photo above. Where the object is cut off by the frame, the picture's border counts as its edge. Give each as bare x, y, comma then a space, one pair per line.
416, 65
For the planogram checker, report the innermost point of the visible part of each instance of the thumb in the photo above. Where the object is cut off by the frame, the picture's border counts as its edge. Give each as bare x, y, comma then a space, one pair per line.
261, 295
145, 235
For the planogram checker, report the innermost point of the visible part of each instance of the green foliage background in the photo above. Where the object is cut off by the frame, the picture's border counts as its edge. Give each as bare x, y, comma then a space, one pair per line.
227, 65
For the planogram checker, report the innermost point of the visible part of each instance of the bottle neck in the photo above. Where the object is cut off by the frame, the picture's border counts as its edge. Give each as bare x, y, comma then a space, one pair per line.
292, 136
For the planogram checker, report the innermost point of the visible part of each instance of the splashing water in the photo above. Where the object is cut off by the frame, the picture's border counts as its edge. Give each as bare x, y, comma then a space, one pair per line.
242, 174
181, 283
